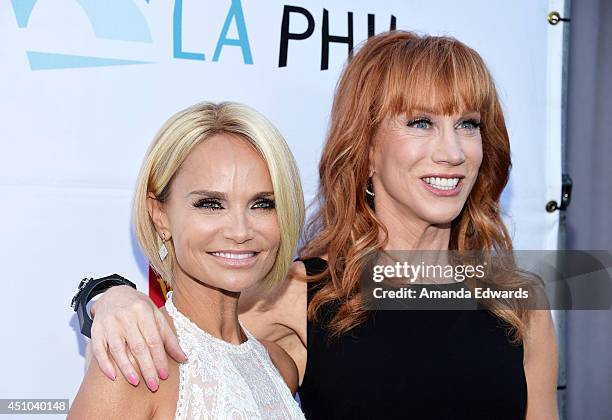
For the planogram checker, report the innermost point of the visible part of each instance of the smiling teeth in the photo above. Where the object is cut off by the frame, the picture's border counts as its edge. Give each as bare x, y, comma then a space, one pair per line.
233, 256
442, 183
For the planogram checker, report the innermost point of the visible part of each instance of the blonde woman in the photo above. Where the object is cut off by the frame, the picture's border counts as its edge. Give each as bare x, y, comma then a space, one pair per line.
218, 209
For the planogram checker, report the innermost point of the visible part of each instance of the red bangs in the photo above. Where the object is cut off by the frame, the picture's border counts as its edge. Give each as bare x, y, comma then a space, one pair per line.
443, 77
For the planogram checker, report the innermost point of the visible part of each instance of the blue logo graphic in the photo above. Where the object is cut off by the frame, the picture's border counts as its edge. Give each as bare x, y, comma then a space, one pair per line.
233, 14
118, 20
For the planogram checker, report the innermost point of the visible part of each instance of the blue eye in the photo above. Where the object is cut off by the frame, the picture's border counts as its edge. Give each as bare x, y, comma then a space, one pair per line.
208, 204
265, 204
471, 124
422, 123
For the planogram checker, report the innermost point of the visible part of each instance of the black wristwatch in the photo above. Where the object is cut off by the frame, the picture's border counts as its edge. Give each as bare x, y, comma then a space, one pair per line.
88, 288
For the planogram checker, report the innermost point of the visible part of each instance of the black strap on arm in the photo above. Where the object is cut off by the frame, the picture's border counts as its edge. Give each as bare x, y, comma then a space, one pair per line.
88, 288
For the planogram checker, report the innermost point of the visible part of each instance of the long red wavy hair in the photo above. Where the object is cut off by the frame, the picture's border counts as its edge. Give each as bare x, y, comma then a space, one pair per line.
392, 74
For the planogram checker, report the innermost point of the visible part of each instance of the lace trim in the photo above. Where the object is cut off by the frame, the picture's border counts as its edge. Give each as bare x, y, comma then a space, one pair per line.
206, 336
180, 403
222, 380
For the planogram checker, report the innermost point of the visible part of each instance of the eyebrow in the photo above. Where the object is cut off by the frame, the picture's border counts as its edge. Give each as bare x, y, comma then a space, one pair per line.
417, 111
468, 113
223, 196
209, 193
264, 194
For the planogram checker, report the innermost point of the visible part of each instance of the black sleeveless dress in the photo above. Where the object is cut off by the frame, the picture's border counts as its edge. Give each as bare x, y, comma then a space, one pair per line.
415, 364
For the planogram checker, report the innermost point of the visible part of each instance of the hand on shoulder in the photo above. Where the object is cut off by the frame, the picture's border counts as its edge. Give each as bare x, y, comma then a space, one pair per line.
101, 398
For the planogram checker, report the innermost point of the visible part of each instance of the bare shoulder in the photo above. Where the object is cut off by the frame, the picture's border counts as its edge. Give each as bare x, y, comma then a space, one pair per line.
279, 315
270, 314
540, 335
541, 366
284, 363
101, 398
291, 288
293, 291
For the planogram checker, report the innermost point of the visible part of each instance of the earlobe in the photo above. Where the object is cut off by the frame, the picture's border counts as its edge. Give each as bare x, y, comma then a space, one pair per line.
157, 214
371, 162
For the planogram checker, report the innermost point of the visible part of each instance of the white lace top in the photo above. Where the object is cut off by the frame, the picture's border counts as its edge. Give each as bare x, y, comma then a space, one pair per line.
228, 381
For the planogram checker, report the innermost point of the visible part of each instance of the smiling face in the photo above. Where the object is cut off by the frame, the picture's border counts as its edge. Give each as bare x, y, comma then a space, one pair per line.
425, 165
220, 215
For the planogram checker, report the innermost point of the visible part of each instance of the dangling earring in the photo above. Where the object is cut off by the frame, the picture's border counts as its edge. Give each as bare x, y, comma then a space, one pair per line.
369, 186
370, 192
163, 251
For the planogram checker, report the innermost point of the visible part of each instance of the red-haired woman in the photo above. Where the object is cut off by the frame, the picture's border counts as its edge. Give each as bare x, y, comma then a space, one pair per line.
416, 158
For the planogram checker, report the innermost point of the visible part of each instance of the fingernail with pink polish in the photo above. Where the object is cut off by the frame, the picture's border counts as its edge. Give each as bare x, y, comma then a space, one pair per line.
152, 383
163, 374
111, 374
132, 379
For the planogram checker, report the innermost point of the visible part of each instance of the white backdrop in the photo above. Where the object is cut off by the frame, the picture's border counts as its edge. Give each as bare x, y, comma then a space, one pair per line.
86, 84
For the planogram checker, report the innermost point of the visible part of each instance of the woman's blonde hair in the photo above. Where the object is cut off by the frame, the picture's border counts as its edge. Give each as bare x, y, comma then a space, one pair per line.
171, 146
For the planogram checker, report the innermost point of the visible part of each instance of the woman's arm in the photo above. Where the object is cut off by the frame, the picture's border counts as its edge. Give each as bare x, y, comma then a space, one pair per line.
541, 367
99, 398
123, 315
280, 316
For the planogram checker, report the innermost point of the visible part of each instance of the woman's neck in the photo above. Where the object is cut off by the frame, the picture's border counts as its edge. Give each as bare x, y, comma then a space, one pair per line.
211, 309
409, 233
